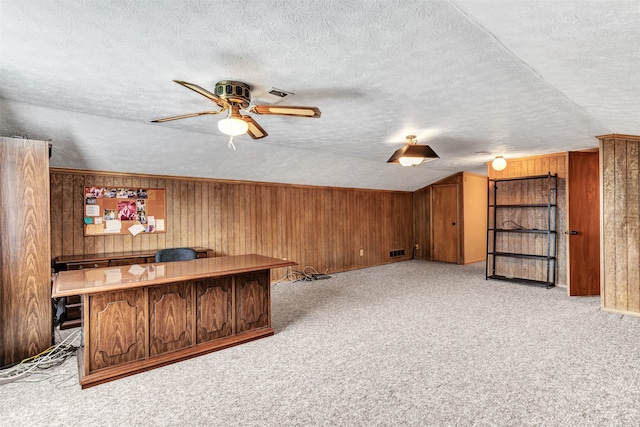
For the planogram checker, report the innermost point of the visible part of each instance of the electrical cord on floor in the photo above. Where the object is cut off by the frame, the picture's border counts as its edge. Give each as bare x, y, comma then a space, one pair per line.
53, 356
307, 274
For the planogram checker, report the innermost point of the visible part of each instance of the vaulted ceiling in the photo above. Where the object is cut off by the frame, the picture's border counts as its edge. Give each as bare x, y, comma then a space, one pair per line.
473, 79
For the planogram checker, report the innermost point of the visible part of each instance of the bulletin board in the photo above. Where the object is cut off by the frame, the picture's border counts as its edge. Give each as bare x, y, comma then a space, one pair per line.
111, 210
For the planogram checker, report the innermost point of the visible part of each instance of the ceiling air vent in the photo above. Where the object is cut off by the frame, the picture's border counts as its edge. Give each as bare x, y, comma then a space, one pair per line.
273, 96
279, 93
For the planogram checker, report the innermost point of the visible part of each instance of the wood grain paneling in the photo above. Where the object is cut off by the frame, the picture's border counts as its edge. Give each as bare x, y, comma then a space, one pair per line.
214, 310
25, 254
319, 227
530, 192
252, 301
170, 318
620, 223
117, 327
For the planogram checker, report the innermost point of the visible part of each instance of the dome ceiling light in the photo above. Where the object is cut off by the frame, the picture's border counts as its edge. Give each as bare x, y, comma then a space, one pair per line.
499, 163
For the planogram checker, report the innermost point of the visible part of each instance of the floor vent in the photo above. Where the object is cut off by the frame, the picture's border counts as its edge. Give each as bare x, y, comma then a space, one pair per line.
396, 253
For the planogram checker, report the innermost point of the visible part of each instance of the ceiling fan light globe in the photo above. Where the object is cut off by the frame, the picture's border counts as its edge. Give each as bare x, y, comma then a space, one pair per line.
233, 127
499, 163
410, 161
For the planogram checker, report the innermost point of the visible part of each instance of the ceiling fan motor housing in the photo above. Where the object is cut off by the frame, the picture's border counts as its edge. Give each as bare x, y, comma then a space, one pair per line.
234, 92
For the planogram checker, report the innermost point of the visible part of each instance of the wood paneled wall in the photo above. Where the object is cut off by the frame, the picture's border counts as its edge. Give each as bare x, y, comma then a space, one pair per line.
620, 223
530, 166
324, 228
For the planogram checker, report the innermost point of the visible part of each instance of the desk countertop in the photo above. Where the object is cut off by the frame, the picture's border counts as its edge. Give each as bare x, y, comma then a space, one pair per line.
96, 280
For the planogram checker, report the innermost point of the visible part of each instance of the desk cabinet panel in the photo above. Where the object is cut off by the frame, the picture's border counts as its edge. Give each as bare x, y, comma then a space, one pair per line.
215, 309
252, 301
170, 318
117, 328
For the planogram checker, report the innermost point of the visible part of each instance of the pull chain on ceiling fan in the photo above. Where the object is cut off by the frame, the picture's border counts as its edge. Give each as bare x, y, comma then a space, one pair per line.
233, 96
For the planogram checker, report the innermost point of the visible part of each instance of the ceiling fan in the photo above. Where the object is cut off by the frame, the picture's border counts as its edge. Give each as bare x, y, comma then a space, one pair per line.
234, 96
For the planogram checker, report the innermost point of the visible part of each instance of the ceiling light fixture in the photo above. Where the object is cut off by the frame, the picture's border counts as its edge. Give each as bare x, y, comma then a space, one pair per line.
233, 125
499, 163
413, 154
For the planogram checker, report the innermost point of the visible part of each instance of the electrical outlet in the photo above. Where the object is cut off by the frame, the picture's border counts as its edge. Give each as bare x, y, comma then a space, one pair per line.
284, 259
417, 246
361, 252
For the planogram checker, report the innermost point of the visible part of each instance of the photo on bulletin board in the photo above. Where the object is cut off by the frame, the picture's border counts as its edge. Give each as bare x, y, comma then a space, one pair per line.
122, 210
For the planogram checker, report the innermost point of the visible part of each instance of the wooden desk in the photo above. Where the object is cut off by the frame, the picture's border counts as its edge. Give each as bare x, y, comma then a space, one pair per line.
139, 317
73, 307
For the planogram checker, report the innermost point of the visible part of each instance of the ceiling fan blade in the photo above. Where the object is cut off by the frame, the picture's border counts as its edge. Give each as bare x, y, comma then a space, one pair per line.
211, 96
255, 130
283, 110
184, 116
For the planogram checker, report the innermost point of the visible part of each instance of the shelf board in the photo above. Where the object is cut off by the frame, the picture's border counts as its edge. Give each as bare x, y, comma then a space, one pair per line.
521, 230
523, 280
516, 255
71, 324
523, 178
528, 205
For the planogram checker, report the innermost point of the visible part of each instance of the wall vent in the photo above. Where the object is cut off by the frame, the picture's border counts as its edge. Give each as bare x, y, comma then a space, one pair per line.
396, 253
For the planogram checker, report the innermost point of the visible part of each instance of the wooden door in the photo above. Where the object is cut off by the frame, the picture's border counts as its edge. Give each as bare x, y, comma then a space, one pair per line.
584, 223
445, 223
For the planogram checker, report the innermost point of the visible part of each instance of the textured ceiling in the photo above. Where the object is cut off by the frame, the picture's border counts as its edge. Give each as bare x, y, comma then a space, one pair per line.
473, 79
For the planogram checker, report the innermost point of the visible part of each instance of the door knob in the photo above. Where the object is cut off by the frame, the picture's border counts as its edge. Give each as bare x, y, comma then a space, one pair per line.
453, 223
572, 232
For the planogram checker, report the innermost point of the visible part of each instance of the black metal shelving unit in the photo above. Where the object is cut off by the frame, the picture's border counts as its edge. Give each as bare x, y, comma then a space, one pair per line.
545, 226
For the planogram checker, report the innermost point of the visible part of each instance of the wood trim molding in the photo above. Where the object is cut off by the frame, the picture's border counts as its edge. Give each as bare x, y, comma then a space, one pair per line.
619, 136
214, 180
623, 312
538, 156
601, 219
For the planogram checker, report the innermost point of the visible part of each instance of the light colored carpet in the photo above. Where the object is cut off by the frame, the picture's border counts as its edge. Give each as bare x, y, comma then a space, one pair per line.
406, 344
